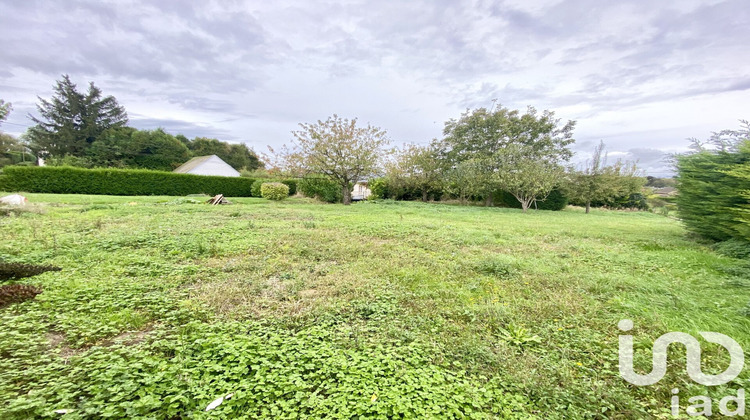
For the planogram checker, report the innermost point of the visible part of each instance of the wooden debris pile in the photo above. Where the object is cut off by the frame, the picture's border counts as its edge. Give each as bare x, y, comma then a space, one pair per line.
218, 199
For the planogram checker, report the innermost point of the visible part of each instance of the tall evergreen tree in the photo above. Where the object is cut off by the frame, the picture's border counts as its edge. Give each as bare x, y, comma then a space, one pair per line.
714, 186
71, 120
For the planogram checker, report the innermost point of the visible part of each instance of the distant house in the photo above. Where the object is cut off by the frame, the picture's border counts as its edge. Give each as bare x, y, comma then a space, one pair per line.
360, 191
207, 165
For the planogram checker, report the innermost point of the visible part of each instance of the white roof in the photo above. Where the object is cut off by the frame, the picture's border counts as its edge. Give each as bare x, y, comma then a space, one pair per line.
207, 165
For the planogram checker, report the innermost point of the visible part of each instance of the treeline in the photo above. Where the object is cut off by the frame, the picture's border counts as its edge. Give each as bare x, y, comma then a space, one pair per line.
87, 129
496, 156
127, 147
504, 157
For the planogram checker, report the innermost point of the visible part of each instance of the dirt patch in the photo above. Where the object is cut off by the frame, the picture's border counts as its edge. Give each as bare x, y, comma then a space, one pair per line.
57, 341
128, 338
309, 293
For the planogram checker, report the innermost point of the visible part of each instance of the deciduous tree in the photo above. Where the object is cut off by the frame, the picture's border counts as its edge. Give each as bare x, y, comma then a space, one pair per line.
495, 137
481, 133
336, 148
527, 177
468, 179
417, 168
156, 149
596, 181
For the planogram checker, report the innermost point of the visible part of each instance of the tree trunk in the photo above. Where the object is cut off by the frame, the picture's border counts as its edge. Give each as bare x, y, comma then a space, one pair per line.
488, 201
347, 194
588, 206
424, 195
524, 206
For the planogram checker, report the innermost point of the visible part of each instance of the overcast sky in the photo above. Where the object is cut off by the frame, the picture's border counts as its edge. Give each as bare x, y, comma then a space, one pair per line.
640, 75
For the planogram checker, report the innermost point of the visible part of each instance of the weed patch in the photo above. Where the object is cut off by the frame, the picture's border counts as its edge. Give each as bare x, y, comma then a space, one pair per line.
379, 309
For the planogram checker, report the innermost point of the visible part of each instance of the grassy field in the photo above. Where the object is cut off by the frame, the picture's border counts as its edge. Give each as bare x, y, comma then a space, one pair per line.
300, 310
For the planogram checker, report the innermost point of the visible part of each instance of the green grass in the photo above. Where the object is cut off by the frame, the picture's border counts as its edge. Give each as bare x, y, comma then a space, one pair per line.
383, 310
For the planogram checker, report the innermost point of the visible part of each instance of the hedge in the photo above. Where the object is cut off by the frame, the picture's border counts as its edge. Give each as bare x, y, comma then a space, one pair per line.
321, 188
70, 180
292, 184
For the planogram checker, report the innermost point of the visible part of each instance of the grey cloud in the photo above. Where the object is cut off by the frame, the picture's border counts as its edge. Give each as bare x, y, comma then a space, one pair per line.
121, 41
188, 100
186, 128
651, 161
259, 65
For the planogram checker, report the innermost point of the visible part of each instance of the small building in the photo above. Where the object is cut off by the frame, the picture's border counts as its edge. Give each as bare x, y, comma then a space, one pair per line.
360, 191
207, 165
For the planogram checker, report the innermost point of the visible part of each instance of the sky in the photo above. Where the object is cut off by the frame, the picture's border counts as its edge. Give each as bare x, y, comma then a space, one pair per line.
642, 76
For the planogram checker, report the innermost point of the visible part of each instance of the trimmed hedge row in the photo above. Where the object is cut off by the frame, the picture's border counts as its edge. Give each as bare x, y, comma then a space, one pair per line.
70, 180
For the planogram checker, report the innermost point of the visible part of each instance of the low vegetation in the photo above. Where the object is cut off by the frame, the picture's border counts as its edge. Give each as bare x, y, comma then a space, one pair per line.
274, 191
380, 309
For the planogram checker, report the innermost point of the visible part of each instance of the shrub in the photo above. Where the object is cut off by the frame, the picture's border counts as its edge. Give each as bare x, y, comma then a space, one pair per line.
632, 201
274, 191
555, 201
292, 184
321, 188
68, 180
255, 188
16, 293
735, 248
379, 188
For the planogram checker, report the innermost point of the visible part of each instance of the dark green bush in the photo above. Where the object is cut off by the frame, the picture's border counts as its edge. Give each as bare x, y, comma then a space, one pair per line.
69, 180
274, 191
555, 201
292, 184
321, 188
632, 201
385, 188
255, 188
735, 248
379, 188
16, 293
